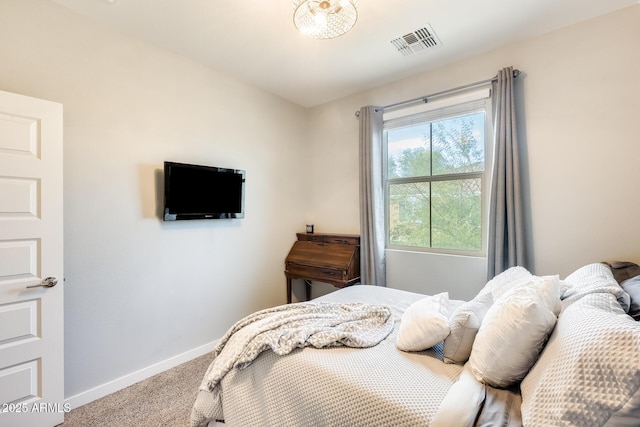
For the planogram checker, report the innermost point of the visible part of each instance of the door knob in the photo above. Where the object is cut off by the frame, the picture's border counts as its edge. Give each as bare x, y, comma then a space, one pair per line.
47, 282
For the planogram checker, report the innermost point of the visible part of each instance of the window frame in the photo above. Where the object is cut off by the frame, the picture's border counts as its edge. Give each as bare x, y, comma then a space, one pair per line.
453, 107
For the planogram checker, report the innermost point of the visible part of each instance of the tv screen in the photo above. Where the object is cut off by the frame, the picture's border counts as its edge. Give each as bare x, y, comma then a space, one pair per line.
202, 192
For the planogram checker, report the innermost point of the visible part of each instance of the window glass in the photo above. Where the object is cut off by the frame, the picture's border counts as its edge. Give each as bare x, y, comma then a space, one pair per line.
456, 212
435, 182
409, 151
458, 144
409, 214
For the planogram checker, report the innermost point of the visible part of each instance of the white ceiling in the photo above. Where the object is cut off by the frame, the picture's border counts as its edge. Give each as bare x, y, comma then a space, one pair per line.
256, 41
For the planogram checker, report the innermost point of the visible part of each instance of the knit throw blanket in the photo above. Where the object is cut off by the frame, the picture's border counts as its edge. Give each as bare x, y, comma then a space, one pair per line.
282, 329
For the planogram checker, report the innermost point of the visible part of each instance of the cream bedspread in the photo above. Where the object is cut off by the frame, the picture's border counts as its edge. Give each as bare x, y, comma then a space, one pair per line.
283, 329
375, 386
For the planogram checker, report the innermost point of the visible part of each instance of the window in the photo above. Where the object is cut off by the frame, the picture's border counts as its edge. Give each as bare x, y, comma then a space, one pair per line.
436, 178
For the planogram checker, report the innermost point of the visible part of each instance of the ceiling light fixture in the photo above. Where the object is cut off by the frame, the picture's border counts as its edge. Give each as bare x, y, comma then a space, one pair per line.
324, 19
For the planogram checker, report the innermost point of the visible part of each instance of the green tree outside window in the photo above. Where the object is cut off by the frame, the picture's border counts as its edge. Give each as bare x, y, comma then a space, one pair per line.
434, 178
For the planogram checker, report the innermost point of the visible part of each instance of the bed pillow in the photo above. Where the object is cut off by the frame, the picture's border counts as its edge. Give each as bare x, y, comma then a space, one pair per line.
424, 323
514, 332
505, 281
464, 325
623, 270
632, 287
589, 371
593, 278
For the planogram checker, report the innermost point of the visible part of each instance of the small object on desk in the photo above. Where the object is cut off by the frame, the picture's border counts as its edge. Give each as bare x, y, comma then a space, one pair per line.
310, 228
328, 258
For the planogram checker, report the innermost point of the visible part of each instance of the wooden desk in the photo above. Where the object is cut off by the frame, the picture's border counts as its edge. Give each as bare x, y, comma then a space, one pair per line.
328, 258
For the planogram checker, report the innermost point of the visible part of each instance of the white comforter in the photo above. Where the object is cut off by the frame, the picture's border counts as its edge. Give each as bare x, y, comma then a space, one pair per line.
282, 329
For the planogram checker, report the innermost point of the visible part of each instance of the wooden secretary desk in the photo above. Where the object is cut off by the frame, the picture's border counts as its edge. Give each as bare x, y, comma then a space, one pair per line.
328, 258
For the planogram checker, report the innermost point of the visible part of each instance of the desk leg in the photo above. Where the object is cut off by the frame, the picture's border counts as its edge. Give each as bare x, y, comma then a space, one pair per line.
288, 290
307, 286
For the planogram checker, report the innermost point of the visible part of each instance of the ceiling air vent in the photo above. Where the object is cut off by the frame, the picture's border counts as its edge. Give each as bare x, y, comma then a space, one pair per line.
417, 41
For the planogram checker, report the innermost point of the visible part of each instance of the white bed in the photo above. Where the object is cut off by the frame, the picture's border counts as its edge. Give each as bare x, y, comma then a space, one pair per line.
339, 386
383, 386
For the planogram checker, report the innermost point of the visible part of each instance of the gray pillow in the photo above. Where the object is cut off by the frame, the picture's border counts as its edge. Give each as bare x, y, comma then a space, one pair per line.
464, 325
632, 287
623, 270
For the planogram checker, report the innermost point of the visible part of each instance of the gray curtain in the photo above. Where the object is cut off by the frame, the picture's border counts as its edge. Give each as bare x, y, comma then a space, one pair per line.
372, 238
506, 225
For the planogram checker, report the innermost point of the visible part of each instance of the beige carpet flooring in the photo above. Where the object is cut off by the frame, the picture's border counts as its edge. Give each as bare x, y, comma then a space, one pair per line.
162, 400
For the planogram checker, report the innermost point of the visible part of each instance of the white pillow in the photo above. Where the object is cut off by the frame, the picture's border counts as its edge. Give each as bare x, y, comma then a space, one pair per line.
593, 278
589, 371
464, 325
507, 280
514, 332
424, 324
460, 405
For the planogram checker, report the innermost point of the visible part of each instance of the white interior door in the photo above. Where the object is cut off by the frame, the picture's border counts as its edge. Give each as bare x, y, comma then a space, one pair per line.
31, 309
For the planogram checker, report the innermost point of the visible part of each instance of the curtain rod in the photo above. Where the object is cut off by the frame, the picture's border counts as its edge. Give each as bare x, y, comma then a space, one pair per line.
444, 92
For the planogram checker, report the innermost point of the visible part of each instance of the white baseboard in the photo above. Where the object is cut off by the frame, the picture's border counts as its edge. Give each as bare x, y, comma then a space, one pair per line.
137, 376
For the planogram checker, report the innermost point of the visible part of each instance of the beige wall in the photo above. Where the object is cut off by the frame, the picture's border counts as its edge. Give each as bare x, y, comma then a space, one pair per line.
139, 291
579, 109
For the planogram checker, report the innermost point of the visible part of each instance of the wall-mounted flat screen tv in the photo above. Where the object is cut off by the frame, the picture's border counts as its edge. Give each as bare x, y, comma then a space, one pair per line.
202, 192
